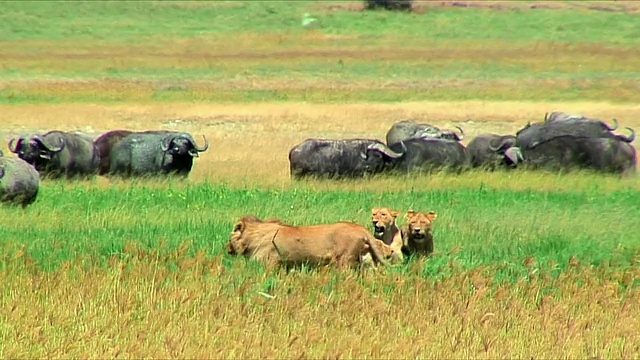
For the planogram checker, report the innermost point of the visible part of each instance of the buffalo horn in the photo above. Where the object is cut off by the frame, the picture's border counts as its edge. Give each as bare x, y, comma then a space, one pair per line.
386, 150
461, 133
47, 146
166, 142
629, 138
12, 148
200, 149
615, 124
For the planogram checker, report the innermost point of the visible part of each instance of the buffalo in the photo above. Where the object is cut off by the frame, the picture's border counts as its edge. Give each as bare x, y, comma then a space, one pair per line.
155, 153
409, 129
561, 117
19, 181
58, 153
492, 151
428, 154
339, 158
573, 143
105, 142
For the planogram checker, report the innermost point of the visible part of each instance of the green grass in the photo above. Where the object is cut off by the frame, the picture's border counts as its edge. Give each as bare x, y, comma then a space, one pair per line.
255, 51
496, 228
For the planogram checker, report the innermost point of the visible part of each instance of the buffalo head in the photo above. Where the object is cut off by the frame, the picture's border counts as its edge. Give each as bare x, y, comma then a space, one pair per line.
183, 144
33, 149
505, 146
379, 149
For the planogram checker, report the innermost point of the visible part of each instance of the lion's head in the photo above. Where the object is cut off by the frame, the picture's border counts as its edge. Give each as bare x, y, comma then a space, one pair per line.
419, 224
383, 219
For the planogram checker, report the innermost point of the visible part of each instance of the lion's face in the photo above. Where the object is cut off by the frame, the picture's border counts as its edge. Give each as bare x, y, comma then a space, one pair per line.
419, 224
382, 218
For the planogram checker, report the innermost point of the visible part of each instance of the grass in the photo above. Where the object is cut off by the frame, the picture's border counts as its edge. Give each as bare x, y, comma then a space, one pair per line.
527, 264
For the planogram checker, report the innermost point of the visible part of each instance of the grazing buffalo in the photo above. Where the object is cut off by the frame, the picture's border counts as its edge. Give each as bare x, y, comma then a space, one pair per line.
58, 153
155, 153
430, 154
408, 129
339, 158
493, 151
533, 134
19, 181
608, 155
560, 117
105, 142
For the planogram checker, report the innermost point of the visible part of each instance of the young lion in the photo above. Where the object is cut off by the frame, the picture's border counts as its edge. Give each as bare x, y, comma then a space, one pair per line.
385, 229
416, 233
343, 243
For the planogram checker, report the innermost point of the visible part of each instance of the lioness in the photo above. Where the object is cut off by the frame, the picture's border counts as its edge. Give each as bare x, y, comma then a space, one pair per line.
385, 229
343, 243
416, 233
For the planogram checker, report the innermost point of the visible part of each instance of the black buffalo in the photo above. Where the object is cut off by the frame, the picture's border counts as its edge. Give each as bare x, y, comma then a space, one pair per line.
409, 129
567, 144
58, 153
155, 153
561, 117
428, 154
339, 158
105, 143
19, 181
492, 151
533, 134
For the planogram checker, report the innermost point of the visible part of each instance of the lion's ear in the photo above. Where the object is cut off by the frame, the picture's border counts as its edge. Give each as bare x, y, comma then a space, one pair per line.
394, 213
239, 227
410, 214
374, 210
431, 215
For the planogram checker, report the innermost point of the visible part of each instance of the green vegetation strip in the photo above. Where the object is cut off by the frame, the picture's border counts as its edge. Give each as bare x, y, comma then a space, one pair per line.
475, 226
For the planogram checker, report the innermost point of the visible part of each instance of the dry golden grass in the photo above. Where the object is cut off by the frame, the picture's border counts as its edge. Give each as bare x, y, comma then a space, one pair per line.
250, 142
138, 307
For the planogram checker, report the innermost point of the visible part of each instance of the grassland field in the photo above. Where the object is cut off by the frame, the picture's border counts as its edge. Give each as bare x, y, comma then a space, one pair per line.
527, 264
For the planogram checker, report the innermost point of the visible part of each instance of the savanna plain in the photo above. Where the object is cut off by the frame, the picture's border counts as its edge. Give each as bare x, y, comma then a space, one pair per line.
526, 264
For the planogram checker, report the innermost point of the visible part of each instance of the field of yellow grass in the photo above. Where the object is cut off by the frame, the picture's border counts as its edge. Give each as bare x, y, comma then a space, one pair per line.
526, 264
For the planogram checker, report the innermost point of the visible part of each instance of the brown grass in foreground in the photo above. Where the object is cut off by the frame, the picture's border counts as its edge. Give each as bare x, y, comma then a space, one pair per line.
140, 308
250, 142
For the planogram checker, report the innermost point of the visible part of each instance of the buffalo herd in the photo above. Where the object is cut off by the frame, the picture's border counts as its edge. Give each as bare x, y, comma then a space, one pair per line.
560, 142
71, 155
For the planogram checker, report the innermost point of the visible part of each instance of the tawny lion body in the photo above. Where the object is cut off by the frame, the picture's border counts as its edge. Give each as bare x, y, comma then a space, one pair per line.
386, 230
416, 233
343, 244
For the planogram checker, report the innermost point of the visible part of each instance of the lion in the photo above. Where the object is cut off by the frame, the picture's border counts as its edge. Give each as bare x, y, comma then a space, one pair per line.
416, 233
385, 229
343, 244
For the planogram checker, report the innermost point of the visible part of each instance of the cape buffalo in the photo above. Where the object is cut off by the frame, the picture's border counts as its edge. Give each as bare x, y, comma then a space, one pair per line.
537, 133
409, 129
558, 116
105, 142
58, 153
430, 154
339, 158
608, 155
155, 153
19, 182
492, 151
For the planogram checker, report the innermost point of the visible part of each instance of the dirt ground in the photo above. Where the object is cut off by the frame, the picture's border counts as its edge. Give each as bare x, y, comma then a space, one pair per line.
253, 140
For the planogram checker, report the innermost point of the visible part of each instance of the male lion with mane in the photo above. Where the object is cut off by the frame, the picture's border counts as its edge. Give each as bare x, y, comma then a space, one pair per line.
416, 233
274, 242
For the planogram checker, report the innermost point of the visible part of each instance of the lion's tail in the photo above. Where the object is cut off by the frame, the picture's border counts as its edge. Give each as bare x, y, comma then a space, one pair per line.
374, 245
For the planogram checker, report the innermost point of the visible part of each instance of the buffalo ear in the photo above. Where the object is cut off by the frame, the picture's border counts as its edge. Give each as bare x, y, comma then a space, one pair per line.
431, 215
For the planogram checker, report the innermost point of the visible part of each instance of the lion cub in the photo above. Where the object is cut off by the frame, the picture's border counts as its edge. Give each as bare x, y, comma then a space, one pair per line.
385, 229
416, 233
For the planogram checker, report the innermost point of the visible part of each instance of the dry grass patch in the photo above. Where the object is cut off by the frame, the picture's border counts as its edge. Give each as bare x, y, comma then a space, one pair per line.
140, 307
